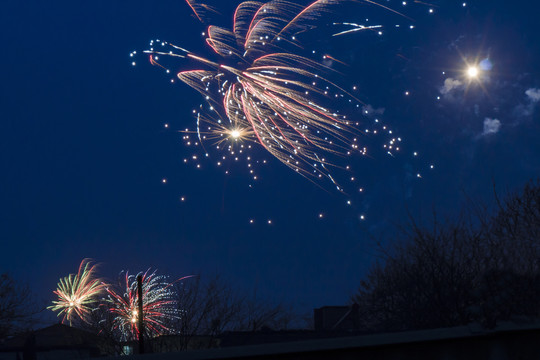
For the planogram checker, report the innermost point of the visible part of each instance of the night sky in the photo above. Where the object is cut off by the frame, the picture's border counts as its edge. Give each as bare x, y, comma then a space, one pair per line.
84, 147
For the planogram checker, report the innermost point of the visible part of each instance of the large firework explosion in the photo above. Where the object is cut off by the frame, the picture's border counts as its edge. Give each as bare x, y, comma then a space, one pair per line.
78, 293
263, 91
159, 305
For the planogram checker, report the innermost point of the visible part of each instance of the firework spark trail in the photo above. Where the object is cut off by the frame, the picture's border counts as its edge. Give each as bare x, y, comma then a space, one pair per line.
200, 9
159, 305
77, 293
356, 27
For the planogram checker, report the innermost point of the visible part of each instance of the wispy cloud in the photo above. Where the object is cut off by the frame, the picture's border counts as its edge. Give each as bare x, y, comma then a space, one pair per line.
450, 85
533, 94
491, 126
527, 109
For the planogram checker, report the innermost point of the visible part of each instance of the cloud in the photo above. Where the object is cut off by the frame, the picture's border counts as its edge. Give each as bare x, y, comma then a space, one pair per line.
450, 85
370, 110
491, 126
526, 110
533, 94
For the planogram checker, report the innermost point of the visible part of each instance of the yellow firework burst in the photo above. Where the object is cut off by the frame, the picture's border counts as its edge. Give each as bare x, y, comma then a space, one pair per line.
77, 292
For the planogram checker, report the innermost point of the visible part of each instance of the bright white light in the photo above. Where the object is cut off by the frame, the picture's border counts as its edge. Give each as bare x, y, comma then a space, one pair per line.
235, 134
472, 71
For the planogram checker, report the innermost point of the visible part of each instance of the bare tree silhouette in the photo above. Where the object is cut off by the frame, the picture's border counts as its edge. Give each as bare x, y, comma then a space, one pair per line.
479, 268
17, 307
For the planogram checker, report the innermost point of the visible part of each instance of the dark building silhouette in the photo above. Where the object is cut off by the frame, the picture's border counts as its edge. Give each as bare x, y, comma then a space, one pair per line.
337, 318
506, 342
56, 342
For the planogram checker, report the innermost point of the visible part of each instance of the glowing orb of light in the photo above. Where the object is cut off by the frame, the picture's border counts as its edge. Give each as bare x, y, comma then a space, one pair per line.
235, 134
472, 71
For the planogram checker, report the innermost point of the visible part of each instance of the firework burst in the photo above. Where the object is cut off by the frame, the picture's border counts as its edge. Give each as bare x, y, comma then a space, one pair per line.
260, 92
77, 293
159, 305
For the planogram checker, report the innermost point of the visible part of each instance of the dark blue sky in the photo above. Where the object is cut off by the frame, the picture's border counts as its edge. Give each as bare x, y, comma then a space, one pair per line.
83, 148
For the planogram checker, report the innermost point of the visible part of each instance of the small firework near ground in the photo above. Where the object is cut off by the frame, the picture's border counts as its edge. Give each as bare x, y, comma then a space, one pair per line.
159, 305
78, 294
